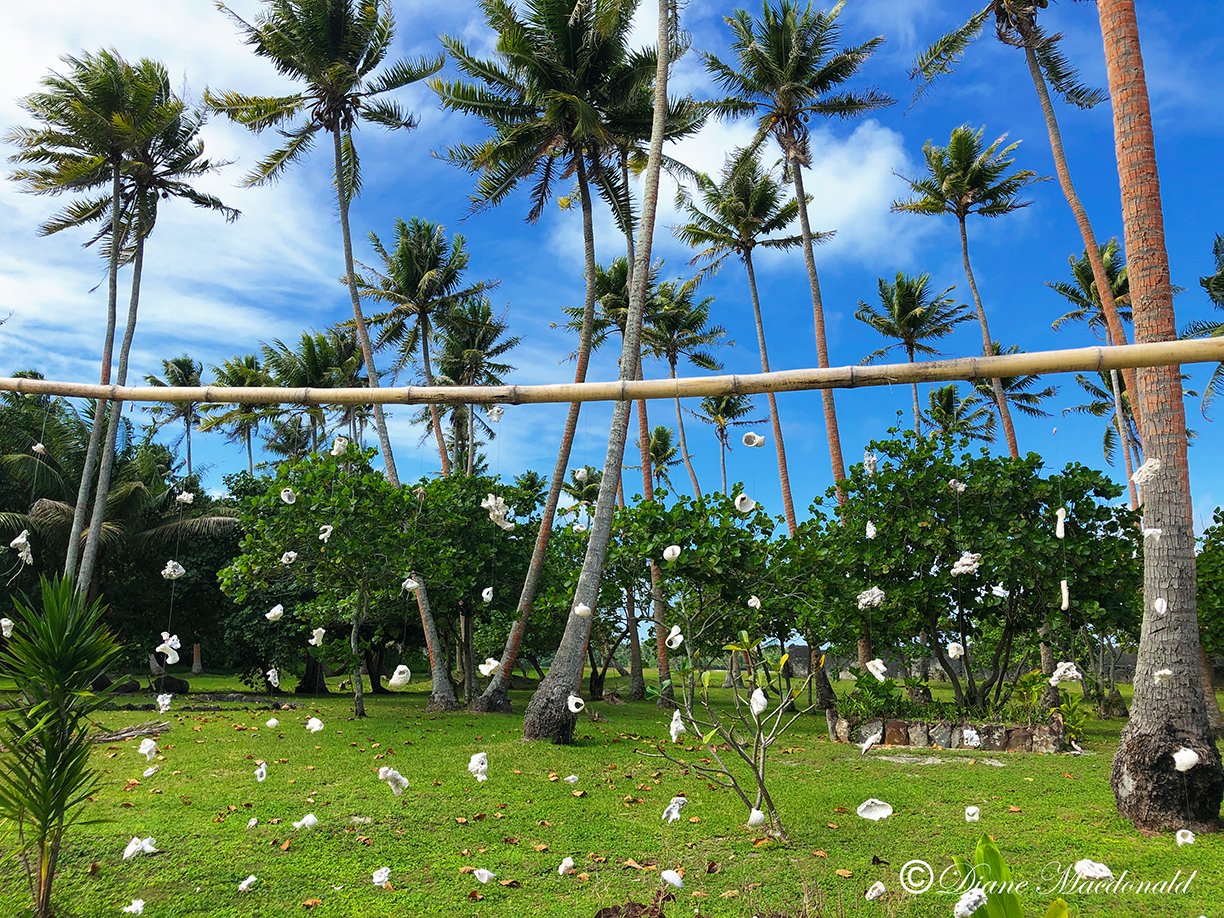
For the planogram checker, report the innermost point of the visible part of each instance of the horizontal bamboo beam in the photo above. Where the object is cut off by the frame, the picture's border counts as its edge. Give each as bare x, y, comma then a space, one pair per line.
1087, 359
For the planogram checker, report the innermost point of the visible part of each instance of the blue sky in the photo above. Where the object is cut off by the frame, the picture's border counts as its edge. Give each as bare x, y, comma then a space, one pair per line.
216, 290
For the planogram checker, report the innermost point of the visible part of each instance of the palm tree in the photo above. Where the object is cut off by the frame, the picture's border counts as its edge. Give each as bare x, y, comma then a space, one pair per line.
786, 70
966, 178
1017, 390
663, 454
239, 422
335, 49
912, 313
474, 342
723, 412
953, 416
160, 165
418, 280
1104, 403
676, 328
1148, 789
542, 95
1016, 25
1083, 294
315, 363
735, 215
183, 370
1213, 286
85, 129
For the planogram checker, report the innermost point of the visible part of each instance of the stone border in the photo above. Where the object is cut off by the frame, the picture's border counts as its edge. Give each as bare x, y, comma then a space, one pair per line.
945, 734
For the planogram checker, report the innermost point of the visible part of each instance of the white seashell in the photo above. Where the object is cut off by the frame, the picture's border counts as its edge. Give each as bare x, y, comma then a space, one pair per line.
972, 814
674, 638
957, 486
1161, 605
1184, 837
139, 846
754, 602
309, 821
163, 703
401, 677
582, 610
339, 445
316, 637
1065, 672
1146, 472
871, 530
672, 812
967, 563
314, 725
1066, 595
136, 908
670, 876
289, 557
275, 613
151, 771
272, 723
671, 553
956, 650
409, 585
484, 876
148, 748
1161, 676
874, 891
877, 669
744, 503
580, 474
261, 772
1060, 527
173, 570
677, 726
397, 782
869, 463
38, 449
186, 497
869, 742
381, 876
247, 883
570, 779
757, 702
1184, 759
273, 677
487, 594
1152, 533
575, 704
869, 599
479, 766
874, 809
6, 627
970, 738
287, 496
1091, 870
567, 866
494, 413
325, 533
253, 822
753, 440
970, 902
489, 666
755, 818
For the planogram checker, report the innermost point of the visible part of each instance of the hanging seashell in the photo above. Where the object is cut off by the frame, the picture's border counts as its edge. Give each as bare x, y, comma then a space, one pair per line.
757, 702
381, 876
874, 891
309, 821
580, 474
1066, 595
276, 613
673, 878
486, 594
314, 725
957, 486
869, 599
316, 637
339, 445
674, 638
494, 413
1065, 672
247, 883
755, 818
401, 677
1184, 759
869, 463
753, 440
677, 726
967, 563
956, 650
169, 647
874, 809
287, 496
671, 553
575, 704
173, 570
273, 677
1060, 527
288, 557
163, 703
870, 530
1146, 472
672, 812
186, 497
1161, 676
409, 585
325, 533
489, 666
744, 503
38, 449
1161, 605
582, 610
972, 814
754, 602
21, 545
878, 669
6, 627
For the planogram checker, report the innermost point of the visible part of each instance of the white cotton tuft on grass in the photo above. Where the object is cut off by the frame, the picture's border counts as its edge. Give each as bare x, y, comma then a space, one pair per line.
567, 866
381, 876
139, 846
570, 779
874, 891
1184, 837
484, 876
136, 908
247, 883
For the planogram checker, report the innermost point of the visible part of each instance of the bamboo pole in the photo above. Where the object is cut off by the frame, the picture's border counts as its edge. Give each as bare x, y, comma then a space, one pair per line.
1087, 359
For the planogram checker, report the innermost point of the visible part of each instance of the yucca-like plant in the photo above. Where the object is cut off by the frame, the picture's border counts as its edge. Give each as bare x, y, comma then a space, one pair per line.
56, 652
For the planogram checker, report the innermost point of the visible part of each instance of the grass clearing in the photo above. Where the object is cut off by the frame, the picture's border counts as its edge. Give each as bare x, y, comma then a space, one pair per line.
198, 805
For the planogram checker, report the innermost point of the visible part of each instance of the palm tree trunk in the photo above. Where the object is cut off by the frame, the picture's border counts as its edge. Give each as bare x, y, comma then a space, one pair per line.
354, 645
788, 505
914, 390
822, 344
471, 439
1109, 308
1000, 397
95, 431
547, 715
187, 434
496, 696
637, 681
250, 454
722, 458
434, 418
363, 332
441, 693
93, 540
684, 453
1124, 438
1147, 788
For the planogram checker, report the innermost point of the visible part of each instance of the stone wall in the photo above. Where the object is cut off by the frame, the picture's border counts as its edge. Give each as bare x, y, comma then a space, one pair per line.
944, 734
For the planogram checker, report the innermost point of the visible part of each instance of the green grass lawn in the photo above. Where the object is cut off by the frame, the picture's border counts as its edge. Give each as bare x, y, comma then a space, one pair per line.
198, 805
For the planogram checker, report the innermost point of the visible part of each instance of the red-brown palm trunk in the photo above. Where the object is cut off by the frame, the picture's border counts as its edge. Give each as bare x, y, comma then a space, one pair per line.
1172, 715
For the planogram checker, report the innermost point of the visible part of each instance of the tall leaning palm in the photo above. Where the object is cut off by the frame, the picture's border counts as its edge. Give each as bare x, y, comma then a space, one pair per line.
542, 95
742, 211
84, 129
183, 370
1016, 26
419, 280
336, 49
962, 179
168, 156
678, 327
913, 314
786, 69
